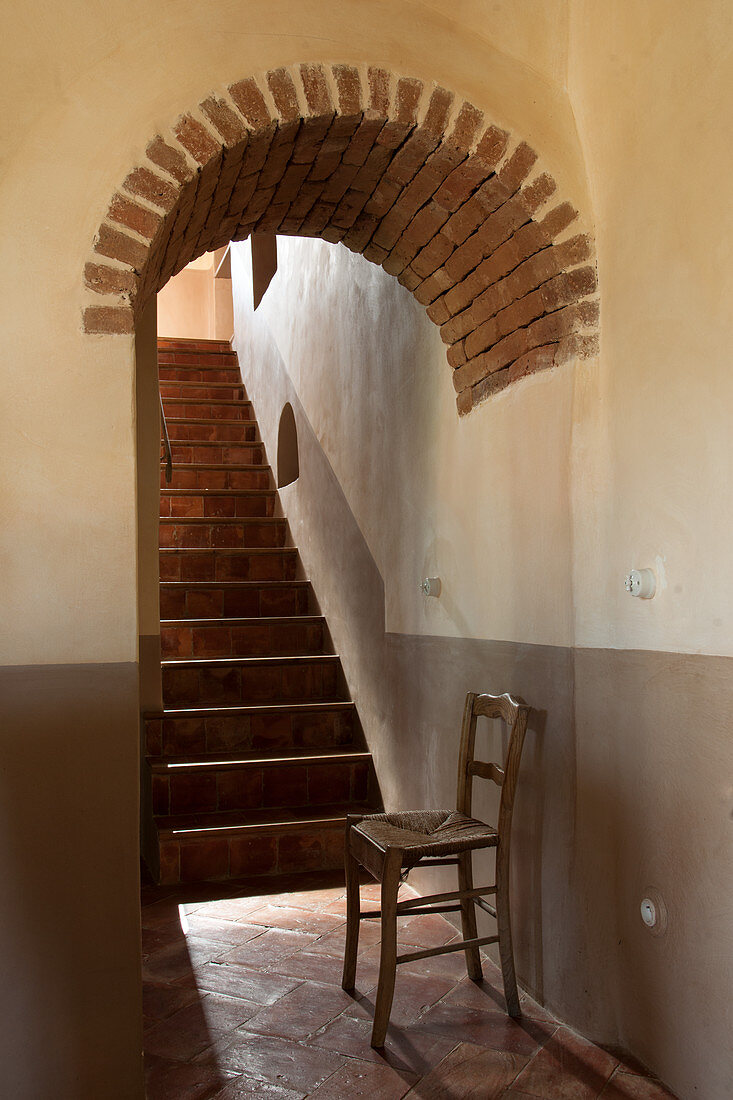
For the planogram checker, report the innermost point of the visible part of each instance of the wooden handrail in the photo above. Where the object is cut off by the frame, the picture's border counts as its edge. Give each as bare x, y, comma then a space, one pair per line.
166, 443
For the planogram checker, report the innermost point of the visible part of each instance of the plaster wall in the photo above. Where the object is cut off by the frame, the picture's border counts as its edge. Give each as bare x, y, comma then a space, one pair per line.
632, 99
652, 459
196, 306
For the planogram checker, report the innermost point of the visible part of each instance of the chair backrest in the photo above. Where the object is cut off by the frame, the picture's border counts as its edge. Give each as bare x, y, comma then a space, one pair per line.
514, 713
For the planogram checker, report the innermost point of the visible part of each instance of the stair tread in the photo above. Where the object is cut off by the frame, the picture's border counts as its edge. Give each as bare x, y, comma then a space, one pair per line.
248, 662
249, 709
219, 442
221, 493
229, 550
244, 620
200, 585
222, 519
233, 401
218, 466
239, 820
276, 758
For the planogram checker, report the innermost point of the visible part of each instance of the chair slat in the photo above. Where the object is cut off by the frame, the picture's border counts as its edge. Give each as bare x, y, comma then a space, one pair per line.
447, 948
487, 771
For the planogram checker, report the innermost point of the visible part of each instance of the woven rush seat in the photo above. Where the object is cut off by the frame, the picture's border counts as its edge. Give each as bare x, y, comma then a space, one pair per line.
422, 833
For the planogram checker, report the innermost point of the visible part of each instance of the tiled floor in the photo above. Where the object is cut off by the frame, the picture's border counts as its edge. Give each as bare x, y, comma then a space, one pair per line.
242, 998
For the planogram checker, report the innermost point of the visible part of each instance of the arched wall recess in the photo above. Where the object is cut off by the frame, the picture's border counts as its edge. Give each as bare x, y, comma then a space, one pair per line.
409, 176
288, 462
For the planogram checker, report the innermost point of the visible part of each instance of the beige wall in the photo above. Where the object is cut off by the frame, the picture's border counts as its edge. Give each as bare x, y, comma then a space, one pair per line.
194, 305
652, 457
532, 509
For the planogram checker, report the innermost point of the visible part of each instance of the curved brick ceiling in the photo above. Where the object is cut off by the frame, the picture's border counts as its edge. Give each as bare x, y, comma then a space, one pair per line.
409, 177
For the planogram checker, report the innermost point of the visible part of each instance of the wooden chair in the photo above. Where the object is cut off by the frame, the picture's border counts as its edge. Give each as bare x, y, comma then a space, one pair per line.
387, 844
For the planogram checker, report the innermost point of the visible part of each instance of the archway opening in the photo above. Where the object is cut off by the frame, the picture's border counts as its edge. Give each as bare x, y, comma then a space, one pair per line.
414, 179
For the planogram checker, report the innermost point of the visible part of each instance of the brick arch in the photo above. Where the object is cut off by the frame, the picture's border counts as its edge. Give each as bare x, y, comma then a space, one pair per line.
410, 177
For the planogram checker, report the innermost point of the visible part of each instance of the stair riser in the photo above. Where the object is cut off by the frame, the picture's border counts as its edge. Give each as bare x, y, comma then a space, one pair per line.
227, 733
168, 345
180, 358
223, 789
209, 410
239, 454
242, 603
238, 431
207, 566
307, 683
211, 375
216, 479
215, 507
256, 853
252, 640
249, 534
202, 392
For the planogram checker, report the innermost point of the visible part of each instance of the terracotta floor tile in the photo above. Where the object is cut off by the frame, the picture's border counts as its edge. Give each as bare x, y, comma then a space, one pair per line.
332, 943
230, 932
302, 1012
155, 938
630, 1086
247, 1088
279, 1061
424, 931
486, 1028
325, 968
221, 1012
178, 960
238, 981
270, 948
414, 996
249, 1004
407, 1050
316, 900
161, 914
451, 968
297, 920
161, 1000
234, 909
180, 1040
166, 1080
364, 1081
567, 1068
471, 1073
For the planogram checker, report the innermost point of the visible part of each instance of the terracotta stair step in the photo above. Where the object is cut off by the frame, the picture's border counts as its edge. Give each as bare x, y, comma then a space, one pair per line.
219, 784
187, 343
195, 356
228, 564
213, 452
206, 408
248, 600
260, 636
203, 429
201, 532
223, 846
218, 475
218, 681
196, 731
214, 391
217, 503
212, 375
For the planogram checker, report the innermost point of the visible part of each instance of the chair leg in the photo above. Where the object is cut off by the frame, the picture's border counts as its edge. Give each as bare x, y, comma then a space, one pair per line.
504, 928
353, 906
468, 917
388, 952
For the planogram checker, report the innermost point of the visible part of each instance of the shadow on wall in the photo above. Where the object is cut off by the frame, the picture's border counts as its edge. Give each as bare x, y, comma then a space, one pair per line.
410, 691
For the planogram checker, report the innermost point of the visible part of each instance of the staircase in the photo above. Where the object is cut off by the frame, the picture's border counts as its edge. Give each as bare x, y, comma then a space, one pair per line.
256, 757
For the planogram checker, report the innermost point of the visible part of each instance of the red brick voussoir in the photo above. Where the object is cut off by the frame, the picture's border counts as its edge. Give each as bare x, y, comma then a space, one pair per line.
405, 173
